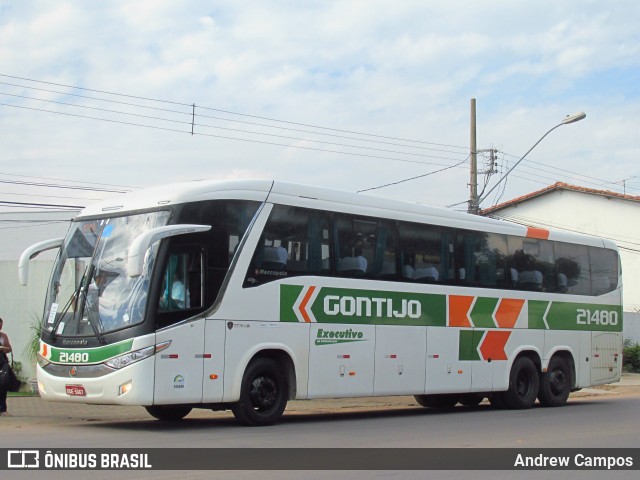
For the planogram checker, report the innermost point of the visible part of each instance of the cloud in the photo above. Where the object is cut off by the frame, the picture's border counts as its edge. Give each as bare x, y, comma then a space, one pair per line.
398, 70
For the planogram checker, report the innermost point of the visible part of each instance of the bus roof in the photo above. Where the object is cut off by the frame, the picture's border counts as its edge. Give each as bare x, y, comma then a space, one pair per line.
319, 198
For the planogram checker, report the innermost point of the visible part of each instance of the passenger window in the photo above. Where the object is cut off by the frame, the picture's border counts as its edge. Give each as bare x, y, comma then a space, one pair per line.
295, 241
365, 248
574, 275
426, 254
604, 270
481, 259
532, 265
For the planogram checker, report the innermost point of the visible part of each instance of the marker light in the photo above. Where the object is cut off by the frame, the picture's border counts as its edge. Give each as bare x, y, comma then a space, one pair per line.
125, 387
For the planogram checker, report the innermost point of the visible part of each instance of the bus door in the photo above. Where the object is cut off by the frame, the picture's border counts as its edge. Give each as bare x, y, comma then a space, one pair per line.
179, 367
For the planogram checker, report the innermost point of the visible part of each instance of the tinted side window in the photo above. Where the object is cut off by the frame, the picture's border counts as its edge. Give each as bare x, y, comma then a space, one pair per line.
532, 264
481, 259
604, 270
426, 254
295, 241
574, 275
365, 247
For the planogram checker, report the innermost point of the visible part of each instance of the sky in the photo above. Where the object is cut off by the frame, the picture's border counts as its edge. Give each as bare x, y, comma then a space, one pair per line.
101, 97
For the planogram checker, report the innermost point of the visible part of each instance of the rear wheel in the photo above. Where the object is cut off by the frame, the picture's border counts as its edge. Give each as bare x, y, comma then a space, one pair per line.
168, 412
263, 394
523, 384
555, 384
437, 401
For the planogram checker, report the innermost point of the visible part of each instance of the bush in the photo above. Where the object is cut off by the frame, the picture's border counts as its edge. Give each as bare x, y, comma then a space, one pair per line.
17, 369
631, 356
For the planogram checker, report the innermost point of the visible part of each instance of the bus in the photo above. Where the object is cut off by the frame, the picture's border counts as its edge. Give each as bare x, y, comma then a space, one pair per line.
246, 294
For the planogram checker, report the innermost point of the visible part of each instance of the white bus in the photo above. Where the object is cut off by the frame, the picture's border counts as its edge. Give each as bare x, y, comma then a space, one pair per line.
243, 295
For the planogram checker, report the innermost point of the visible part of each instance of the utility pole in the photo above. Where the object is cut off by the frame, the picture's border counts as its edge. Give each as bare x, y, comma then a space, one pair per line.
473, 180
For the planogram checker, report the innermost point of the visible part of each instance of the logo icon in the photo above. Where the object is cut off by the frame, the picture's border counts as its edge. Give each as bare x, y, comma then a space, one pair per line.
23, 458
178, 381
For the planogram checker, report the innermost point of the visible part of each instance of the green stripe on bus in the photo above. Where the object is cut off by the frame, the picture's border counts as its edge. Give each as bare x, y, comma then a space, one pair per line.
468, 344
575, 316
482, 312
89, 355
358, 306
288, 296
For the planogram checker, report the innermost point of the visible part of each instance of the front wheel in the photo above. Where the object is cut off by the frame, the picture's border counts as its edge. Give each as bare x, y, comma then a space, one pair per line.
555, 384
168, 412
263, 394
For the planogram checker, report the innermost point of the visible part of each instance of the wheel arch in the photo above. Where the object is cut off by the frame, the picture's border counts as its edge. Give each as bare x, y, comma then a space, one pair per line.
526, 351
276, 352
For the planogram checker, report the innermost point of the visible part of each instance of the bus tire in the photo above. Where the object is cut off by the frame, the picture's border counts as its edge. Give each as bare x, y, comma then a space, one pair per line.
471, 399
555, 384
168, 413
263, 394
437, 401
523, 385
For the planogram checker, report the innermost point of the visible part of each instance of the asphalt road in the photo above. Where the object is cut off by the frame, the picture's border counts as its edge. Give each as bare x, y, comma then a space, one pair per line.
606, 417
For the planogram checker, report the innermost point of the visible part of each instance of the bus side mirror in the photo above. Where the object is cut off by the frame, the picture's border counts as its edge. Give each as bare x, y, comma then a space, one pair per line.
142, 242
32, 252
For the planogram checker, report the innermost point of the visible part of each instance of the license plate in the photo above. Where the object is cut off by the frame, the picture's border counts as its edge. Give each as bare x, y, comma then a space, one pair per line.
76, 390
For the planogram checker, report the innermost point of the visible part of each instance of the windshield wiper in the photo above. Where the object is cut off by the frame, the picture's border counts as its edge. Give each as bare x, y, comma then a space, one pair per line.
81, 300
74, 296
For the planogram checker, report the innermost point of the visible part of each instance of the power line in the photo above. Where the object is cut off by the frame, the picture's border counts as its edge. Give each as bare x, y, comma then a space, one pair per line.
577, 175
69, 181
48, 205
226, 137
148, 117
235, 113
69, 187
414, 178
231, 120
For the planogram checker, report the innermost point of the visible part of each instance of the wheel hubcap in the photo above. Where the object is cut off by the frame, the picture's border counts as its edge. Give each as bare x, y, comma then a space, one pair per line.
263, 393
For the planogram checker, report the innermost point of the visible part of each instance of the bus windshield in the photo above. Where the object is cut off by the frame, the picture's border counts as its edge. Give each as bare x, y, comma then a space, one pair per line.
90, 292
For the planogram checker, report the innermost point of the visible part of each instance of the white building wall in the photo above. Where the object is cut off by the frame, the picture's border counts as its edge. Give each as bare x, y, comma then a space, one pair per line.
609, 217
21, 307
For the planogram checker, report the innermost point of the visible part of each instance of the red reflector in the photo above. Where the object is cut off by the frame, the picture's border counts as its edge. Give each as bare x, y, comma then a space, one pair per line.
597, 355
206, 355
393, 356
436, 356
173, 355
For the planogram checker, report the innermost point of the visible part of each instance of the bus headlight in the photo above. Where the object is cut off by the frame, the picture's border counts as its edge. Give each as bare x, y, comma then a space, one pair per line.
130, 358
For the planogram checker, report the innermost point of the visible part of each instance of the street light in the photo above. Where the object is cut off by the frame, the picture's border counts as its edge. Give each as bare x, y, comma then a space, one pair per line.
576, 117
